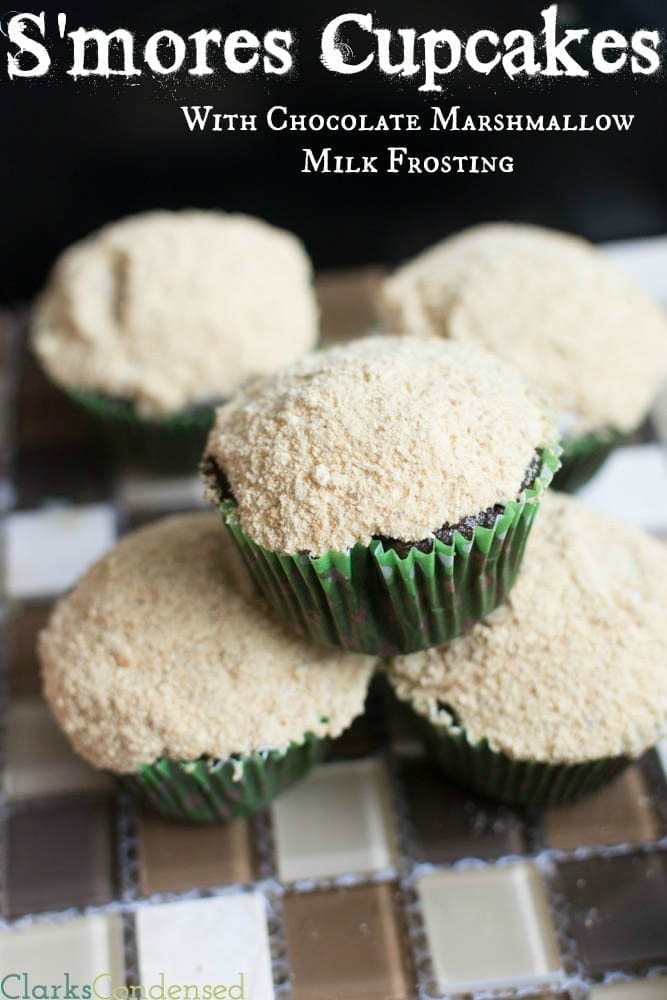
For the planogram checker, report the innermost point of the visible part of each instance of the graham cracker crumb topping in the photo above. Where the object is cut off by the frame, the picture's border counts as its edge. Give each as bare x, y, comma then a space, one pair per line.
171, 309
383, 436
551, 304
157, 653
574, 666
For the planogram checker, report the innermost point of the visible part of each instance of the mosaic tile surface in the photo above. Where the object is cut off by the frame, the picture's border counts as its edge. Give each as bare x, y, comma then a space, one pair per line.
372, 880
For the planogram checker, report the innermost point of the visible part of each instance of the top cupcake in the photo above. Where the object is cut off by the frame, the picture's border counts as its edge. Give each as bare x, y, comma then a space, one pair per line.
384, 437
551, 304
172, 309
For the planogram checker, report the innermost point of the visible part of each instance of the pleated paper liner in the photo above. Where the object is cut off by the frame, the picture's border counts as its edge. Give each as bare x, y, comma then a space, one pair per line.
375, 601
584, 456
170, 445
209, 790
494, 775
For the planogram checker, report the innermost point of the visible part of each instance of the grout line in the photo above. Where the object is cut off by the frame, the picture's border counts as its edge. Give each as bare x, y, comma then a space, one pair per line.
130, 950
127, 846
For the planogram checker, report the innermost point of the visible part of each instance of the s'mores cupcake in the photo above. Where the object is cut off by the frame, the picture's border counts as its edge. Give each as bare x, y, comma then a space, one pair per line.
551, 304
152, 320
161, 672
562, 687
381, 492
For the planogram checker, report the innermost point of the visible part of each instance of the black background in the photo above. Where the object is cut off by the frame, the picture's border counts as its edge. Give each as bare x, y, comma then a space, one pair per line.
78, 153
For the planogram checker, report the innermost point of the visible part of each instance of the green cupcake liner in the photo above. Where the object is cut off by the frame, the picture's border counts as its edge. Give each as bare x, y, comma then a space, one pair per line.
584, 456
372, 600
494, 775
212, 791
167, 445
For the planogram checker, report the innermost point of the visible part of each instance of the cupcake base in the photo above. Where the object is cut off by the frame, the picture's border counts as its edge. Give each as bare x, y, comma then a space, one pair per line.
212, 791
169, 445
584, 456
377, 601
494, 775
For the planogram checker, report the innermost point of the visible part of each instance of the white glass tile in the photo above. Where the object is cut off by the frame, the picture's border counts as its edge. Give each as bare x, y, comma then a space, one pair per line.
164, 493
336, 821
662, 754
632, 486
489, 928
48, 550
645, 259
219, 941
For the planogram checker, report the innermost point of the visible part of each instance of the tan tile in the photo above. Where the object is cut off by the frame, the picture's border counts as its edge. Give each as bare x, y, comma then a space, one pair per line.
654, 988
622, 812
39, 760
348, 302
176, 857
23, 627
346, 944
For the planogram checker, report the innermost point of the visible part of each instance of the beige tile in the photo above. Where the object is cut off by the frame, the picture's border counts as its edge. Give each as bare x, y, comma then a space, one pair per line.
38, 758
338, 820
223, 941
654, 988
489, 928
85, 947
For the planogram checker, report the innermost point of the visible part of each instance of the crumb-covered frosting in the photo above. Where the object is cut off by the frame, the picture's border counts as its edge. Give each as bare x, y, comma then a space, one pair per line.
384, 436
574, 667
551, 304
155, 652
171, 309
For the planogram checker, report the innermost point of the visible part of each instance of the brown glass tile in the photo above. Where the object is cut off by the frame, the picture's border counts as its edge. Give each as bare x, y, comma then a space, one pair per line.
42, 475
67, 424
447, 824
617, 910
5, 338
400, 725
348, 302
176, 857
346, 944
59, 855
358, 740
623, 812
23, 627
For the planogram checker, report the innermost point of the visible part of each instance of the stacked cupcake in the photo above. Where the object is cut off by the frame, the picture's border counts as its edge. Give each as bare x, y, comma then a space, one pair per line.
380, 496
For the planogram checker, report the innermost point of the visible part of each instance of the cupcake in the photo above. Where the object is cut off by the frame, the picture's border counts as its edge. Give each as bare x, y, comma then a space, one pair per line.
381, 492
551, 304
158, 669
567, 683
151, 321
